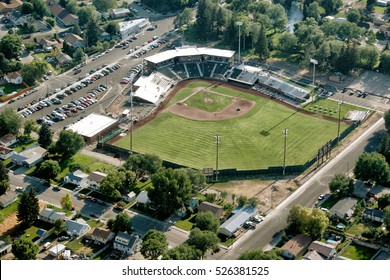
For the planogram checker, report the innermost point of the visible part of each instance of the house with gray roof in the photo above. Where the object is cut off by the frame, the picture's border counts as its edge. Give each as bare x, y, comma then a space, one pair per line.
94, 179
312, 256
78, 227
142, 198
344, 208
5, 248
205, 206
29, 157
374, 215
102, 235
75, 41
126, 243
326, 250
5, 152
63, 59
78, 178
8, 198
50, 215
8, 140
63, 16
237, 220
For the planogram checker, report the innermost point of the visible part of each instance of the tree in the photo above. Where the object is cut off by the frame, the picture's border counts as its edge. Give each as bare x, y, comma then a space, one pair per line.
24, 249
104, 5
385, 62
353, 15
76, 29
3, 172
40, 8
182, 252
387, 217
314, 10
369, 57
11, 46
253, 201
184, 17
197, 178
34, 71
262, 45
278, 16
384, 146
372, 167
384, 201
85, 13
207, 221
49, 169
171, 188
312, 222
69, 143
30, 126
72, 7
112, 28
28, 208
79, 54
92, 34
27, 8
341, 185
50, 21
203, 241
287, 42
223, 195
242, 200
59, 226
45, 136
228, 208
110, 185
331, 6
154, 244
347, 60
370, 5
4, 186
10, 121
386, 117
122, 222
144, 163
259, 254
66, 202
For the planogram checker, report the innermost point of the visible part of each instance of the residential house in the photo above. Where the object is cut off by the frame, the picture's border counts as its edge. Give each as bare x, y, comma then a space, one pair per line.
312, 256
50, 216
29, 157
8, 140
205, 206
5, 152
126, 243
360, 190
237, 220
94, 179
62, 15
102, 235
78, 178
119, 13
374, 215
75, 41
344, 208
47, 45
142, 198
326, 250
296, 246
17, 18
76, 228
5, 248
10, 6
129, 197
63, 59
14, 78
8, 198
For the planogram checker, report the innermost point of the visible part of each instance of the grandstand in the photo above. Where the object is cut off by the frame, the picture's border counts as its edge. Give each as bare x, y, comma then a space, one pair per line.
193, 70
180, 71
208, 68
150, 89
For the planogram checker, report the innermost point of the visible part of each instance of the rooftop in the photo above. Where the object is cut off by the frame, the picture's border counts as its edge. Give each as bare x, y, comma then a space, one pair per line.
92, 125
343, 206
124, 25
297, 244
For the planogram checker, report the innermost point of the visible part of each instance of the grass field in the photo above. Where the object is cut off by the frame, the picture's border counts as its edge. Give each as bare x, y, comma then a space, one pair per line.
329, 107
251, 141
358, 252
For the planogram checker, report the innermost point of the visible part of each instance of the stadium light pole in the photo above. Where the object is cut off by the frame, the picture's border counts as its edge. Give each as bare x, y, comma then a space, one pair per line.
131, 119
315, 62
338, 128
285, 131
217, 139
239, 23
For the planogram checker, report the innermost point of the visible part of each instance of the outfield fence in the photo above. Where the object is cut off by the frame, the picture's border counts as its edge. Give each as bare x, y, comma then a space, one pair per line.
234, 174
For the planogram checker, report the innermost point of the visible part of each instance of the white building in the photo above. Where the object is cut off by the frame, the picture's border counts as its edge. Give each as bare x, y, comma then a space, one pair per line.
126, 243
119, 13
50, 215
94, 179
57, 250
130, 28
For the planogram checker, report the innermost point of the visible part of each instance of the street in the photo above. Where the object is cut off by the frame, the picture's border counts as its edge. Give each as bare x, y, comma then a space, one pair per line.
267, 231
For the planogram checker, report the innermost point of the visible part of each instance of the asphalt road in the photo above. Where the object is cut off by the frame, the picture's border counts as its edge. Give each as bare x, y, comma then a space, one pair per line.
266, 233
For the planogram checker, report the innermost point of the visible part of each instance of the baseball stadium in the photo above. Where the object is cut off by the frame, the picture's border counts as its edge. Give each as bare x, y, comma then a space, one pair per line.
209, 111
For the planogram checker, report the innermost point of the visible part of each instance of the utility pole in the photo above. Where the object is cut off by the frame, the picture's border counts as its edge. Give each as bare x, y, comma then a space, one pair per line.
239, 23
285, 131
217, 139
315, 62
131, 119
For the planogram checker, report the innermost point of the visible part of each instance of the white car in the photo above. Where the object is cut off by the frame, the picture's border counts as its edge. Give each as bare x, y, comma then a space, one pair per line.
321, 197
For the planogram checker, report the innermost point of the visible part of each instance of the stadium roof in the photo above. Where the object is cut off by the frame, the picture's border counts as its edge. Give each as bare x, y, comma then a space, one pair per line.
92, 125
152, 87
189, 51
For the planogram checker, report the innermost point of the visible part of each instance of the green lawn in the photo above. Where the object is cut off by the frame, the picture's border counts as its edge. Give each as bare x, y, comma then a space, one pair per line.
208, 101
330, 107
186, 224
251, 141
5, 212
358, 252
379, 10
10, 88
292, 58
330, 202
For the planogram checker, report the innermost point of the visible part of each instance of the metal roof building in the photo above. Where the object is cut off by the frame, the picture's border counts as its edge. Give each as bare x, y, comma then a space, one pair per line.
235, 222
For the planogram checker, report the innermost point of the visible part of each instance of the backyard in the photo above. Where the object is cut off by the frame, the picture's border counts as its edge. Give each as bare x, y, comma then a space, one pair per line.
358, 252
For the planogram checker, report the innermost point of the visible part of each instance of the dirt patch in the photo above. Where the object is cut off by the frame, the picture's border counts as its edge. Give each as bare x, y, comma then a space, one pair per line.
237, 108
270, 193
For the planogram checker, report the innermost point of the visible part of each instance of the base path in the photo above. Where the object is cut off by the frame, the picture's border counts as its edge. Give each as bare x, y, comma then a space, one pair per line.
237, 108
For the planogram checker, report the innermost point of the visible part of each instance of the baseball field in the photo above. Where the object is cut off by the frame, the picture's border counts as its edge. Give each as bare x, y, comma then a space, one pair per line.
250, 127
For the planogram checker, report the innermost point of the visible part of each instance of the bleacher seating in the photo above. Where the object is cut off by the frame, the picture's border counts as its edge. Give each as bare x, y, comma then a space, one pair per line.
193, 70
207, 68
168, 72
220, 70
180, 71
236, 72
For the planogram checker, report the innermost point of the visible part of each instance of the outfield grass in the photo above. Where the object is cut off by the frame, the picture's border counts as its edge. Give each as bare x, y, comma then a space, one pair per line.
208, 101
329, 107
251, 141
